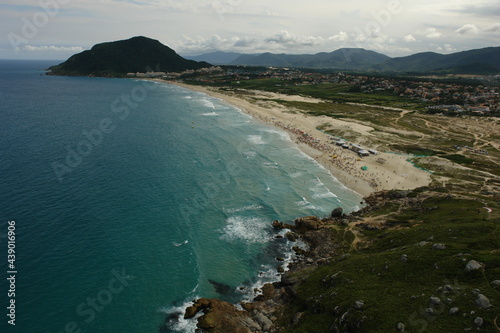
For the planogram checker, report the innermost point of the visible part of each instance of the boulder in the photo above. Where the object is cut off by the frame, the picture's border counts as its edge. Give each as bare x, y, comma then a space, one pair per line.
308, 223
254, 327
277, 225
359, 305
496, 284
191, 311
404, 258
222, 316
337, 212
478, 322
483, 301
263, 321
208, 321
473, 266
434, 300
291, 236
400, 327
454, 311
438, 247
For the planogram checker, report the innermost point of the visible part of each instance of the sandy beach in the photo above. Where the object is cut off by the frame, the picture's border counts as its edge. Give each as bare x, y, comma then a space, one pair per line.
365, 175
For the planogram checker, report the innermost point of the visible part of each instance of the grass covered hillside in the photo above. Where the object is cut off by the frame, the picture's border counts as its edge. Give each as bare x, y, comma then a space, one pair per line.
137, 54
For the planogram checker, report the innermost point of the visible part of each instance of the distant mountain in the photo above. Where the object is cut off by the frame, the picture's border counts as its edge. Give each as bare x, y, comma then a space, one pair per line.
216, 58
465, 62
347, 58
137, 54
478, 61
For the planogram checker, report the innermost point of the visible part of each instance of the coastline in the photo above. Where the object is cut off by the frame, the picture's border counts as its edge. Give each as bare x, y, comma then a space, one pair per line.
385, 171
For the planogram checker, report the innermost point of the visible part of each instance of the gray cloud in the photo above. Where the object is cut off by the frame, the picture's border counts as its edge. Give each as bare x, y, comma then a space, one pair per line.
480, 10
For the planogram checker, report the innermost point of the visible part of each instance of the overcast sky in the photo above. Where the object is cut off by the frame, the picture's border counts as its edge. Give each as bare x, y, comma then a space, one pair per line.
56, 29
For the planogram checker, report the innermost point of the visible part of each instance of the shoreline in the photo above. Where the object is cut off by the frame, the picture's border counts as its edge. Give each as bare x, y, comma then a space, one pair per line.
385, 171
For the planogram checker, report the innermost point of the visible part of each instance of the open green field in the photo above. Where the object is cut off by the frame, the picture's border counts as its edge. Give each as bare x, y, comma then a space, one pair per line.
335, 92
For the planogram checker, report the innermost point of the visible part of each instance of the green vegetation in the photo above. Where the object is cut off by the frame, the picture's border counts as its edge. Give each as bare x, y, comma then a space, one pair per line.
394, 291
116, 59
460, 159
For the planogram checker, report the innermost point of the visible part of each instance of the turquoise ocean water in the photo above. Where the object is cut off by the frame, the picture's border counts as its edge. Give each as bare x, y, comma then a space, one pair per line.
132, 198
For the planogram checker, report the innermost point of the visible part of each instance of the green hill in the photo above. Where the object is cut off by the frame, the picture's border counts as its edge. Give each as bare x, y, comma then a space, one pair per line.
137, 54
347, 58
466, 62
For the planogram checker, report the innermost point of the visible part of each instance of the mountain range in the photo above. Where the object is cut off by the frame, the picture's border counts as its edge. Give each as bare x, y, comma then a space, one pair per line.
137, 54
478, 61
142, 54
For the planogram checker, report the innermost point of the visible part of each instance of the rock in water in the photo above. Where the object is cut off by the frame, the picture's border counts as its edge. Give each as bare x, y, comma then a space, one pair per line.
337, 212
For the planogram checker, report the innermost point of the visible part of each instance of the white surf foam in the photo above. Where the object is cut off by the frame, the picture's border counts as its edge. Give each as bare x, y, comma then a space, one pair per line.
176, 321
207, 103
305, 204
180, 244
242, 209
210, 114
250, 154
256, 139
248, 229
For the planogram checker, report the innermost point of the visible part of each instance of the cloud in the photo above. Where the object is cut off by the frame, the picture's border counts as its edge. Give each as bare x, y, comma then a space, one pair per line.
467, 29
340, 37
286, 39
52, 48
446, 47
485, 9
430, 33
493, 28
409, 38
244, 42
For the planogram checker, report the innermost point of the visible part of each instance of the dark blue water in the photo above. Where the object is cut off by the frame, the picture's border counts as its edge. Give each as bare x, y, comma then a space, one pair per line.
129, 196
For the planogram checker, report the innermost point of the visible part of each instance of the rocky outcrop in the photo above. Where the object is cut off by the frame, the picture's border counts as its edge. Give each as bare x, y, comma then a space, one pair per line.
308, 223
219, 316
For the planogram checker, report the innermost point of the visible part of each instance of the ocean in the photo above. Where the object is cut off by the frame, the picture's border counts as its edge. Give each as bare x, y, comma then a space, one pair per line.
130, 198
